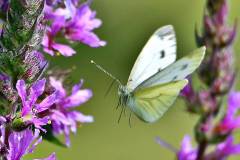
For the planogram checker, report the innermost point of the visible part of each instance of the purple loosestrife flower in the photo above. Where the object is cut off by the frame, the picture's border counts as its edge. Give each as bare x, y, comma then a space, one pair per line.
187, 152
231, 121
81, 25
4, 4
3, 147
30, 108
22, 143
49, 44
221, 151
64, 118
224, 150
75, 23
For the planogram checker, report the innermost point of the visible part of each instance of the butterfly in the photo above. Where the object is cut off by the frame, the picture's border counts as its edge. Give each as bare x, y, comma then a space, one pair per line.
156, 79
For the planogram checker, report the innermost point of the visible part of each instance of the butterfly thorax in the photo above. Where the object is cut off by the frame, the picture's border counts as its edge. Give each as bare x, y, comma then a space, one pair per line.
124, 95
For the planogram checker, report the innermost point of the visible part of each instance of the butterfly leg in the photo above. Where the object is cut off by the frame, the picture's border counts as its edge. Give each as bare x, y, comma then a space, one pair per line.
120, 116
129, 120
109, 88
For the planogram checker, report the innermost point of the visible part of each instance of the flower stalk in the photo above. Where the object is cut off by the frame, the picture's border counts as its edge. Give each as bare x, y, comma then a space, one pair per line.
35, 105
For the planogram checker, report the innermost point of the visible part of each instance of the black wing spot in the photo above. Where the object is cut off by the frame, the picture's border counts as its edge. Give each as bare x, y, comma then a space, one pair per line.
174, 78
184, 66
171, 38
162, 54
160, 36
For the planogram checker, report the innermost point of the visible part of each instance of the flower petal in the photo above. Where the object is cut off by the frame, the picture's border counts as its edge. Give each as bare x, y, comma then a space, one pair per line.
57, 85
48, 101
78, 98
65, 50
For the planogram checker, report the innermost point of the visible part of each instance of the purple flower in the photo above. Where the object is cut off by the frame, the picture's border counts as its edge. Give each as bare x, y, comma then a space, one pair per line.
3, 147
81, 25
187, 152
49, 45
231, 121
22, 143
76, 24
188, 92
4, 4
64, 118
30, 108
224, 150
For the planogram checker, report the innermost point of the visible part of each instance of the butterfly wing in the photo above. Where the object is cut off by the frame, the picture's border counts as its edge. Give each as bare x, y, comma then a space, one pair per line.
158, 53
176, 71
149, 104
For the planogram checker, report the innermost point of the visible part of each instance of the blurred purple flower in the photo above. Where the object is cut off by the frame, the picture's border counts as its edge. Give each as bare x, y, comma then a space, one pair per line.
189, 94
81, 25
187, 152
64, 119
231, 121
4, 4
49, 44
224, 150
22, 143
30, 108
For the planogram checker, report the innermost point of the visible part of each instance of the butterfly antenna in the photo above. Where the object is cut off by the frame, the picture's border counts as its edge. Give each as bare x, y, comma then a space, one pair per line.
103, 70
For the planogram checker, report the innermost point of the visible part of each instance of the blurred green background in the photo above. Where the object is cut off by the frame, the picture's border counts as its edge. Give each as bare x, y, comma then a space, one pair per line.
127, 25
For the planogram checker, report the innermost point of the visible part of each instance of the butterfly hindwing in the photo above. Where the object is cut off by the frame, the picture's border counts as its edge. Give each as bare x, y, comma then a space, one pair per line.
158, 53
149, 104
176, 71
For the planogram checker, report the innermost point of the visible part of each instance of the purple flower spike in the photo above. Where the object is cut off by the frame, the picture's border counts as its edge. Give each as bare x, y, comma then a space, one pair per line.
31, 109
231, 121
35, 64
64, 119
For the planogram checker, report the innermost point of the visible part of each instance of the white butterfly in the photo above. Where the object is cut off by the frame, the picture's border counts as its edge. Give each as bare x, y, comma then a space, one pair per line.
156, 79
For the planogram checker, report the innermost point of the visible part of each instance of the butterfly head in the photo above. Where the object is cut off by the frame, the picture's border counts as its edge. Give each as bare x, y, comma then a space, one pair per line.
124, 95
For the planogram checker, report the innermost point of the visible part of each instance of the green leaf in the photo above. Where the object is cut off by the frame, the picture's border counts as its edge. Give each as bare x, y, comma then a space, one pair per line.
49, 136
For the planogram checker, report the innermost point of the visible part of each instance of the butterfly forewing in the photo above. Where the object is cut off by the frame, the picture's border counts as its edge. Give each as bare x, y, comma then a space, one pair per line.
158, 53
176, 71
149, 104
